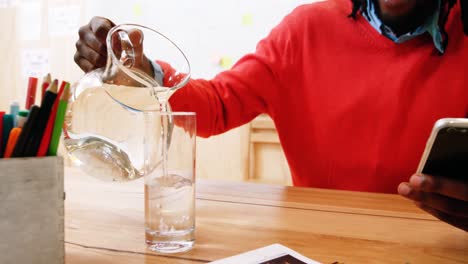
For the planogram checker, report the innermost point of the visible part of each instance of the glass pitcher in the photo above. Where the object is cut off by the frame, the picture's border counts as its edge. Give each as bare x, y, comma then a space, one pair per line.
106, 126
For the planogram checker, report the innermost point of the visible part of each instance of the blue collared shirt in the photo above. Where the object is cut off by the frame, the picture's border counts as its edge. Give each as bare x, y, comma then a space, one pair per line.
431, 26
158, 72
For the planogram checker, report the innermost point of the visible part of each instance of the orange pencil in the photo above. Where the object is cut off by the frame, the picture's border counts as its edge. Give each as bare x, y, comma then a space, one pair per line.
12, 139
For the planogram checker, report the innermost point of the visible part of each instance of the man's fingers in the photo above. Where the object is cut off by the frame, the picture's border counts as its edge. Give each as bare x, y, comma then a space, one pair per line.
136, 37
116, 45
88, 37
83, 63
90, 54
460, 222
445, 208
100, 27
127, 46
91, 50
141, 61
130, 50
444, 186
128, 53
441, 203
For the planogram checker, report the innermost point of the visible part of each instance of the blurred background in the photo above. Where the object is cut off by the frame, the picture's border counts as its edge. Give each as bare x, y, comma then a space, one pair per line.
38, 37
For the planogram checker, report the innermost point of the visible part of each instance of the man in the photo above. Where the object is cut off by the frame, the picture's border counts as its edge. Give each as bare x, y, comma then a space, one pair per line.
354, 88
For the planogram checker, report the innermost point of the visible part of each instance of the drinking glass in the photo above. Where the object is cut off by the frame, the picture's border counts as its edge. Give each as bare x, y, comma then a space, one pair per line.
170, 183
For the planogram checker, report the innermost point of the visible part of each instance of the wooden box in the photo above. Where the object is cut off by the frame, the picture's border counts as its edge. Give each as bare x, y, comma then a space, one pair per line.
32, 211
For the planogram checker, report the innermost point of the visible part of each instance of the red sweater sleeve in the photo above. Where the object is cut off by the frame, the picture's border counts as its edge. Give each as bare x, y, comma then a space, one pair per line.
236, 96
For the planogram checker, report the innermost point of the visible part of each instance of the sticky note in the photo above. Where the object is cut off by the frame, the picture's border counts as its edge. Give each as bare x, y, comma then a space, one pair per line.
64, 21
137, 10
226, 62
247, 20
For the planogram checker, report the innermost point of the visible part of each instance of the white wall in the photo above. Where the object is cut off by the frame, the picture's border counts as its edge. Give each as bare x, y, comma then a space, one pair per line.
205, 29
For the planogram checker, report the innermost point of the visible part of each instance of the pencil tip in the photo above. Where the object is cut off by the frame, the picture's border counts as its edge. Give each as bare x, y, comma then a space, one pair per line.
66, 93
54, 87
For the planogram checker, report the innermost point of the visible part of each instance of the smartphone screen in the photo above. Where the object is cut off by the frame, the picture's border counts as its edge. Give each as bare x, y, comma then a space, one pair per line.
449, 154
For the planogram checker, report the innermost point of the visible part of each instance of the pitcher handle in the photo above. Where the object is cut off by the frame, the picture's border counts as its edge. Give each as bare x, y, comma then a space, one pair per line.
128, 52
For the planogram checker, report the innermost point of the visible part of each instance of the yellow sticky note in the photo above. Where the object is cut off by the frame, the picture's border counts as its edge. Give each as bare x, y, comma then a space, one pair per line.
226, 62
247, 20
137, 10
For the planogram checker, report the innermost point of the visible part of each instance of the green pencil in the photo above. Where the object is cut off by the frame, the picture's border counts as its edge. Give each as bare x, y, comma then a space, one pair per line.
60, 117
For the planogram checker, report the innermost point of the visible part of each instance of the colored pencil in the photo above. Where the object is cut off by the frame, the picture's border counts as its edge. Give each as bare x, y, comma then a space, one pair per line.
8, 125
20, 146
37, 132
44, 145
12, 140
31, 95
22, 117
61, 111
62, 87
45, 84
1, 134
14, 110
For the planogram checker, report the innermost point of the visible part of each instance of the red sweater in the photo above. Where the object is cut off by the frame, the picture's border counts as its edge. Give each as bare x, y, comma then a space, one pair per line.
353, 110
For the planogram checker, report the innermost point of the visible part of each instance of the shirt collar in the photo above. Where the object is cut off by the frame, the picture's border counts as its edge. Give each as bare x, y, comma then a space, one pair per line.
431, 26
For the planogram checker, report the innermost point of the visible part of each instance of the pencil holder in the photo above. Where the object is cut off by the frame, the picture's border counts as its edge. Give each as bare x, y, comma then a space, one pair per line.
32, 210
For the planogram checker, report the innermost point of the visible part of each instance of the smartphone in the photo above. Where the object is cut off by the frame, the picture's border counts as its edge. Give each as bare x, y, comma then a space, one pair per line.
446, 152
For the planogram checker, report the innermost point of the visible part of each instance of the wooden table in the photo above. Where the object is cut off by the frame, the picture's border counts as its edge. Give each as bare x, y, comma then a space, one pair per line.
104, 224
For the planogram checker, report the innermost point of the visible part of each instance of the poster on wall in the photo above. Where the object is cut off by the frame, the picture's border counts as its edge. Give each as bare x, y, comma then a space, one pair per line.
35, 62
64, 21
7, 3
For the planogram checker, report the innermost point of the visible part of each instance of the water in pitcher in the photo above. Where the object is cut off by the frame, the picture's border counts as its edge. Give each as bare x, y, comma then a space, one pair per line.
108, 139
170, 204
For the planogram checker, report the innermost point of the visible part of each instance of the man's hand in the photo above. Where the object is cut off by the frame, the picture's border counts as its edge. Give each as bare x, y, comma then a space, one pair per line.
91, 48
444, 198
